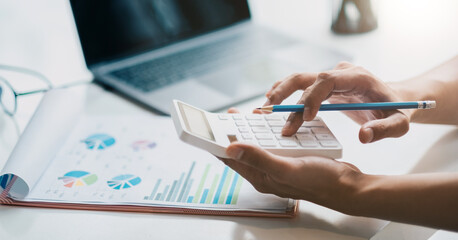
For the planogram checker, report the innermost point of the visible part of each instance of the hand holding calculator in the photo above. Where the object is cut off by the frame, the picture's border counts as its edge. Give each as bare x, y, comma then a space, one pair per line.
214, 132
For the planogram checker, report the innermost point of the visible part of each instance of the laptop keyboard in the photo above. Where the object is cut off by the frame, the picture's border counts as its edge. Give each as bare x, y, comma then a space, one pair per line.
156, 73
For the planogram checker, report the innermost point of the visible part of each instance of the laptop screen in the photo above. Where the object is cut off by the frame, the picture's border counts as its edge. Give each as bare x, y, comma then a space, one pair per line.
111, 29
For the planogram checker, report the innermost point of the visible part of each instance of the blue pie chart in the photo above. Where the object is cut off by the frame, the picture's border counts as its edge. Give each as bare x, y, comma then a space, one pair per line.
99, 141
124, 181
5, 180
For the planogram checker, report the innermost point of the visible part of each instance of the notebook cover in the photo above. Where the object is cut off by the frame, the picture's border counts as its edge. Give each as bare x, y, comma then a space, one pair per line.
150, 209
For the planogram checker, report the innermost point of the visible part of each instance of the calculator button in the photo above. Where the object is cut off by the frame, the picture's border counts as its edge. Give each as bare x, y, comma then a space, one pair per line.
288, 143
231, 130
267, 143
281, 137
260, 130
301, 136
273, 117
276, 129
304, 130
263, 136
317, 130
244, 129
223, 116
308, 143
253, 117
247, 136
329, 143
257, 123
324, 136
237, 117
240, 123
276, 123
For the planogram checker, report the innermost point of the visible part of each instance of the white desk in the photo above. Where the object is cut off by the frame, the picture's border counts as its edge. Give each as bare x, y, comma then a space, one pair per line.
412, 37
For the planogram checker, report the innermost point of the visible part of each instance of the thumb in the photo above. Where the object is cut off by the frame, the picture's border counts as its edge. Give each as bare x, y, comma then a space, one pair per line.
258, 158
395, 125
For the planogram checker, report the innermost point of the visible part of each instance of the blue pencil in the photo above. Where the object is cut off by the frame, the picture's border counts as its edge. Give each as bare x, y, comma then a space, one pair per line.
353, 106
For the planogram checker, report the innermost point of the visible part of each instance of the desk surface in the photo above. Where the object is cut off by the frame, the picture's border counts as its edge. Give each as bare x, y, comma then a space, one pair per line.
41, 35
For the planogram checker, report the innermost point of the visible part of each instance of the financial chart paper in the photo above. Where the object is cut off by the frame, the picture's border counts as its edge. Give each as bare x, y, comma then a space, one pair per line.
141, 161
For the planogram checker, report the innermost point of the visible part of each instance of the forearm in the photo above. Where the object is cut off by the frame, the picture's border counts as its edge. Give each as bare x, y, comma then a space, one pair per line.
423, 199
439, 84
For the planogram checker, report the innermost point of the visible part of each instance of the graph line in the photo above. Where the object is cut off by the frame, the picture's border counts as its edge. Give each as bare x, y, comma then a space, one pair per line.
181, 197
220, 186
201, 184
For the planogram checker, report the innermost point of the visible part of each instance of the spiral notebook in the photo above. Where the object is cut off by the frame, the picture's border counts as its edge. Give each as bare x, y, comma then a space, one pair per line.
66, 159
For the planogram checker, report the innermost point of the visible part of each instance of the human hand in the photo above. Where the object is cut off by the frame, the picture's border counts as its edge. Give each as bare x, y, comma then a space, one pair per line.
344, 84
320, 180
316, 179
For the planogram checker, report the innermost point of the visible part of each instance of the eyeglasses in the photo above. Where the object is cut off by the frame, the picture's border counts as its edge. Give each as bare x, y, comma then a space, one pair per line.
8, 96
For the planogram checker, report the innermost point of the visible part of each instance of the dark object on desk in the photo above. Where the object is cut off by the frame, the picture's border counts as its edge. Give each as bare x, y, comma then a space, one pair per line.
353, 16
205, 52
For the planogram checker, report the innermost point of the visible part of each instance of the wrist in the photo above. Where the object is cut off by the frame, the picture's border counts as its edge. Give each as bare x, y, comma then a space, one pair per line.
351, 186
359, 187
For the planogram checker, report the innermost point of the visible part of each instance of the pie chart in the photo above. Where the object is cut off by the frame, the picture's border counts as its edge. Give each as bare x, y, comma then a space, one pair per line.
124, 181
99, 141
5, 180
143, 145
78, 179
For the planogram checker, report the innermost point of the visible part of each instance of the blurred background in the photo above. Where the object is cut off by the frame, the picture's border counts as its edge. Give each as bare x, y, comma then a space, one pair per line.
411, 37
41, 34
413, 34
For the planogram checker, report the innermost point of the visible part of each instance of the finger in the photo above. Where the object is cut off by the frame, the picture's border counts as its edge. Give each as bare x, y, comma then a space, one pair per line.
395, 125
288, 86
316, 94
294, 121
232, 110
251, 174
273, 87
258, 158
262, 181
351, 81
257, 111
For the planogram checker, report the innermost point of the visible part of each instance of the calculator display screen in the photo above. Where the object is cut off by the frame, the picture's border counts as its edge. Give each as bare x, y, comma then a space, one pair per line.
196, 122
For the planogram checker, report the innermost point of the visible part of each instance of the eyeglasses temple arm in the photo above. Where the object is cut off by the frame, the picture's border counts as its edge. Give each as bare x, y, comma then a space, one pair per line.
31, 92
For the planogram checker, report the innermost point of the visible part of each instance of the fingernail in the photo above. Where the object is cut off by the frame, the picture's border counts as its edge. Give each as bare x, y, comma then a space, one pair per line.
235, 153
370, 135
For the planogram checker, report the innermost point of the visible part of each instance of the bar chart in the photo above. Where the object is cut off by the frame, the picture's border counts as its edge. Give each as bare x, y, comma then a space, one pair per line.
210, 186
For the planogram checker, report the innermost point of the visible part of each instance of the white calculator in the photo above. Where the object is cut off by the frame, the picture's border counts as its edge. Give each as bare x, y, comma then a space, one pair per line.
213, 132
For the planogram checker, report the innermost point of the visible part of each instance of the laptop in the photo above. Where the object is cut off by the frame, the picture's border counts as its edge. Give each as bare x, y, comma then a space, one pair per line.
207, 53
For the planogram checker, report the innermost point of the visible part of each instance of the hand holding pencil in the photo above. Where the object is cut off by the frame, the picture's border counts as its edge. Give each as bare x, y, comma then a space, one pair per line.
320, 180
346, 84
